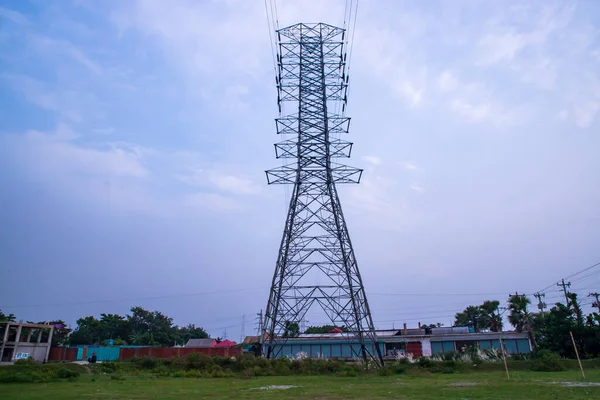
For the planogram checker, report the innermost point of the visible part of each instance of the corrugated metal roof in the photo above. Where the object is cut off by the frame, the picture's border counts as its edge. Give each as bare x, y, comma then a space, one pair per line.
200, 343
251, 339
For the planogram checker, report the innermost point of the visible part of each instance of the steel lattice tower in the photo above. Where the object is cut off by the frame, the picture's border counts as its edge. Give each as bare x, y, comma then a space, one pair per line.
312, 80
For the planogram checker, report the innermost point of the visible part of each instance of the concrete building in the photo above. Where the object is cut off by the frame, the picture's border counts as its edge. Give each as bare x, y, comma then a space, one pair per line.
21, 341
417, 342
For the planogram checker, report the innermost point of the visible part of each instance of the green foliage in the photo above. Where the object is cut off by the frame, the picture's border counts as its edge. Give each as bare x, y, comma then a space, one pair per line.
25, 361
325, 329
481, 317
292, 329
141, 327
7, 317
38, 373
519, 316
446, 366
425, 362
551, 330
547, 361
246, 366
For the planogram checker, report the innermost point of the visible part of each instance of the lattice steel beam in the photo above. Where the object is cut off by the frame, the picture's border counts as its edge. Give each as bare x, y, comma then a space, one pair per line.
312, 81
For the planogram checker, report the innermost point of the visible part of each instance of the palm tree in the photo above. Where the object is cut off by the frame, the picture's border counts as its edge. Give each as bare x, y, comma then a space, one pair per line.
519, 316
490, 307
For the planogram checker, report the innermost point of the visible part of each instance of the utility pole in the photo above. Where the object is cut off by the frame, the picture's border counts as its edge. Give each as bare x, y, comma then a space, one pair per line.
541, 304
259, 323
261, 335
243, 331
303, 322
597, 302
564, 287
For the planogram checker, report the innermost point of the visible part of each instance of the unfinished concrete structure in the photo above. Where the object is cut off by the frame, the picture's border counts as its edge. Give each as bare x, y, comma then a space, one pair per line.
22, 341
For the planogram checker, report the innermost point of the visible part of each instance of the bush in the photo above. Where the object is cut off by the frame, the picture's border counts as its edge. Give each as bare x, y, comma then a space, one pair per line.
38, 373
547, 361
117, 377
108, 367
147, 362
425, 363
26, 361
198, 361
64, 373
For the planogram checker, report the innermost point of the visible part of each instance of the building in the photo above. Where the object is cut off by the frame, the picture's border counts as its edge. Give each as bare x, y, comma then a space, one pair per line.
417, 342
201, 343
22, 341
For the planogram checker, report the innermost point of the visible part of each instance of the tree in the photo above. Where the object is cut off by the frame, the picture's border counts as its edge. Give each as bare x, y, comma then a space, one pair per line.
490, 308
86, 332
60, 336
325, 329
292, 329
7, 318
518, 317
185, 333
431, 326
158, 327
113, 326
576, 307
473, 316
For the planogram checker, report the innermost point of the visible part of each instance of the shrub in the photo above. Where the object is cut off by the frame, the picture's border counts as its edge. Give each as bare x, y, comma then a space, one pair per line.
26, 361
198, 361
425, 363
547, 361
161, 370
147, 362
64, 373
108, 367
248, 373
38, 373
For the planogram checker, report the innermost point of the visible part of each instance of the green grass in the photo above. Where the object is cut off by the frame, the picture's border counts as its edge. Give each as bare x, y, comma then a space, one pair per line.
415, 384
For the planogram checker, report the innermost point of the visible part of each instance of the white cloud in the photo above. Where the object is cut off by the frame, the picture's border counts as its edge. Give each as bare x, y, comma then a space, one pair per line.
584, 112
53, 47
118, 173
211, 202
70, 104
476, 103
505, 40
417, 188
372, 160
223, 181
13, 16
409, 166
234, 184
55, 155
447, 81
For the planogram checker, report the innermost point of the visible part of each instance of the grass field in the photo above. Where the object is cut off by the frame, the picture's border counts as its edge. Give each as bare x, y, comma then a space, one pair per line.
412, 385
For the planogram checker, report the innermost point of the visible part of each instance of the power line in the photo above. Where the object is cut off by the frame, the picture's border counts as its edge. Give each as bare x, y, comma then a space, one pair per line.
583, 270
131, 299
437, 294
570, 276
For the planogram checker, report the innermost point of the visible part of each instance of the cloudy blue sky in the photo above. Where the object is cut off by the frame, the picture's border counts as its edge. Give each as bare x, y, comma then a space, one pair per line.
134, 136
